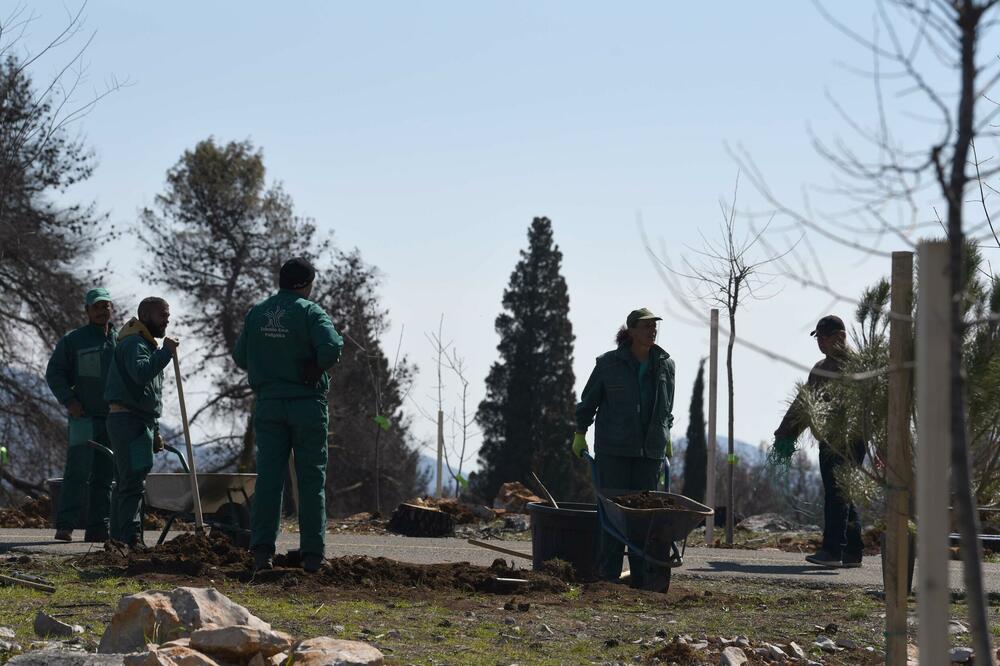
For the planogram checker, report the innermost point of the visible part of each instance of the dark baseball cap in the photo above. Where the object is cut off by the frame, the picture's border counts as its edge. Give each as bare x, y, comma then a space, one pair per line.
827, 325
638, 315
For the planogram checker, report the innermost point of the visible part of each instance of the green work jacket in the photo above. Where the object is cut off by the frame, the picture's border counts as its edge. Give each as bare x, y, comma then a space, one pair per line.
613, 394
78, 368
286, 346
135, 380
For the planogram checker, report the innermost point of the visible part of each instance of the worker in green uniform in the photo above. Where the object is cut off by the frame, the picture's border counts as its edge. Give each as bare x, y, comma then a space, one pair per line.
134, 393
76, 374
631, 393
286, 346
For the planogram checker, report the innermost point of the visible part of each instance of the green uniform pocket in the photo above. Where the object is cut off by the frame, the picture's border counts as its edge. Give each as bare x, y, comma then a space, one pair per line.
88, 362
140, 451
81, 430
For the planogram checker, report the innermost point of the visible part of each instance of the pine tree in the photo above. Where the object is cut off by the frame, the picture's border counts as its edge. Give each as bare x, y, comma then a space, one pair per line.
527, 416
696, 453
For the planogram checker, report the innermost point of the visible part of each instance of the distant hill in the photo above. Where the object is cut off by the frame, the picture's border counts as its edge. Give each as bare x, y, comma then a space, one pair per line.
744, 451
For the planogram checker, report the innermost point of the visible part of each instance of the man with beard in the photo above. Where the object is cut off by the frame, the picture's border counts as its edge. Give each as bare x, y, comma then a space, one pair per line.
76, 374
135, 396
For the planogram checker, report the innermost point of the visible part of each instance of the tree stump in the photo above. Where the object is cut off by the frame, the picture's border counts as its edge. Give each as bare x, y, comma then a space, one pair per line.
420, 521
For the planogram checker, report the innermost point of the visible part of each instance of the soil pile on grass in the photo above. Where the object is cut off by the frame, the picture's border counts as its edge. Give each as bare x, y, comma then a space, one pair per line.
32, 514
389, 576
648, 500
188, 554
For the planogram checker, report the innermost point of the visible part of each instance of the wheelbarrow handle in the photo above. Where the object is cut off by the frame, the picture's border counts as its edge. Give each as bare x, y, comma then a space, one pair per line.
97, 446
180, 456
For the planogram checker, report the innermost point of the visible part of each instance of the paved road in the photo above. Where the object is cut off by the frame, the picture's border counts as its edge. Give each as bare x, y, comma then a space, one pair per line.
698, 562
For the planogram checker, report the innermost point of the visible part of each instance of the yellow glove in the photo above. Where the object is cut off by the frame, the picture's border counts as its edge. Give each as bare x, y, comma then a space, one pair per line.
579, 444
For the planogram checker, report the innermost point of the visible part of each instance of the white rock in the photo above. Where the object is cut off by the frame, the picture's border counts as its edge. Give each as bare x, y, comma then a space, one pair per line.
185, 656
797, 650
324, 651
239, 641
66, 658
956, 627
825, 644
732, 656
7, 633
743, 641
776, 653
961, 655
149, 658
162, 617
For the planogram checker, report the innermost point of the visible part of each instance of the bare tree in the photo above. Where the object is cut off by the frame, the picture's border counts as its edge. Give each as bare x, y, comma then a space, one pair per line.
914, 45
727, 273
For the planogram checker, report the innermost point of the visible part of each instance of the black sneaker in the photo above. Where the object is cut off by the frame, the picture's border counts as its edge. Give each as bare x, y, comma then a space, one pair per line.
262, 561
824, 558
851, 562
311, 562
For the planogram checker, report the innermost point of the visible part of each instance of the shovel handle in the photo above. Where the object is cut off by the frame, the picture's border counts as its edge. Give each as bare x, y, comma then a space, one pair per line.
199, 520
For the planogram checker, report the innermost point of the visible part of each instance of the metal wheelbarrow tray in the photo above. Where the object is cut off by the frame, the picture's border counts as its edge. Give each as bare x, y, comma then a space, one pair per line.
658, 530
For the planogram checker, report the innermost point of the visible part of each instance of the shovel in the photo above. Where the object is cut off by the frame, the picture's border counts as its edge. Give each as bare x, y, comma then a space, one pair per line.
199, 520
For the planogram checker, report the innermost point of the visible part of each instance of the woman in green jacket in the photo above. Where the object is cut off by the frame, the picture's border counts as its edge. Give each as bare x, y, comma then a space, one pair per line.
631, 394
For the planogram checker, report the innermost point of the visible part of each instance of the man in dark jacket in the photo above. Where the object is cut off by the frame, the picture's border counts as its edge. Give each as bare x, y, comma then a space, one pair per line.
135, 396
842, 545
76, 374
631, 392
286, 346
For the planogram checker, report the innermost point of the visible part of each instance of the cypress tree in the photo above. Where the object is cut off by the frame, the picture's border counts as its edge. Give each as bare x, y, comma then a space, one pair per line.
696, 454
527, 417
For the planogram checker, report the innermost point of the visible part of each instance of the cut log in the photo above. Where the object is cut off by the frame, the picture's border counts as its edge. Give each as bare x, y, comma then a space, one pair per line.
420, 521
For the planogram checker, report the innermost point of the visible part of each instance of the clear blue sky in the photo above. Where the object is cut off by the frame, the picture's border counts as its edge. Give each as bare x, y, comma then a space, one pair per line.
428, 134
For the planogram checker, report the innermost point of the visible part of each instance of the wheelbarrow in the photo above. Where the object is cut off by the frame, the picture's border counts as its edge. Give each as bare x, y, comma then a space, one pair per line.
659, 536
225, 497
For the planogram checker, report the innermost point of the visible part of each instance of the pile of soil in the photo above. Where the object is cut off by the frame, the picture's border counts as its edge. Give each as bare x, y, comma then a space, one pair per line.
188, 554
32, 514
647, 500
390, 577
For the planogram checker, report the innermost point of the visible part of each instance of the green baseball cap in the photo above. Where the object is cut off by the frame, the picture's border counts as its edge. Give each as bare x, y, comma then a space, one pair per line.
96, 295
640, 314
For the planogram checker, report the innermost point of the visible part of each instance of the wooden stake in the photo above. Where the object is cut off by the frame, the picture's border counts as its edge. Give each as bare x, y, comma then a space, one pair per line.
934, 451
438, 486
899, 474
199, 520
713, 399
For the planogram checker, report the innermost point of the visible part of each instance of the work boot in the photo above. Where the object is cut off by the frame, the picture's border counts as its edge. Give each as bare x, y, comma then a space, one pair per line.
824, 558
851, 561
311, 562
263, 560
64, 535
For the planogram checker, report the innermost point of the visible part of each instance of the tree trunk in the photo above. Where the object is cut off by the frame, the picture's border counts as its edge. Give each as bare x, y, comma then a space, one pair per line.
965, 503
248, 459
731, 462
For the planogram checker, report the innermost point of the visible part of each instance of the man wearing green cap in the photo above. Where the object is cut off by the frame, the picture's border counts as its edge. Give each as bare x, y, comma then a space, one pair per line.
286, 346
135, 400
76, 374
631, 392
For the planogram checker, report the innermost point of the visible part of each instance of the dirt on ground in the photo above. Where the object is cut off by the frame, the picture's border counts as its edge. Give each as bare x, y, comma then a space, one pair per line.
195, 558
32, 514
647, 500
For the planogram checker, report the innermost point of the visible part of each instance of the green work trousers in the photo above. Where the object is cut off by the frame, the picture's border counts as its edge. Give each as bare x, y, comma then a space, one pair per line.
625, 473
283, 426
86, 483
132, 441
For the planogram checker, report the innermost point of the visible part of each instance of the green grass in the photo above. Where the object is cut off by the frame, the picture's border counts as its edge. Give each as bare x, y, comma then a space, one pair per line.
583, 625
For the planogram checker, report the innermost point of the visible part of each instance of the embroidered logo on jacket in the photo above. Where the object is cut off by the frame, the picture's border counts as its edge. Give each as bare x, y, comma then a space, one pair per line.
274, 328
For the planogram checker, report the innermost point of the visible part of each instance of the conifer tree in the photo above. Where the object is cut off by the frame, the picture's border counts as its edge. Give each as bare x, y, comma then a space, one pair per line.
696, 453
527, 416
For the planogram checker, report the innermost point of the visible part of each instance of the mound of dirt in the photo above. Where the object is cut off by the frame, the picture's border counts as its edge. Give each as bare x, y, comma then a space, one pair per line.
647, 500
560, 569
32, 514
188, 554
391, 577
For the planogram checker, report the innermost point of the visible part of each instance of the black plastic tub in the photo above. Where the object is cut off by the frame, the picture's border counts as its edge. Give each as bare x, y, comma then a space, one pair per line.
568, 533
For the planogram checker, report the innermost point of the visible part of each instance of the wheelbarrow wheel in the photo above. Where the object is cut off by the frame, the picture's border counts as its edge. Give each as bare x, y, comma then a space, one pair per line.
233, 519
